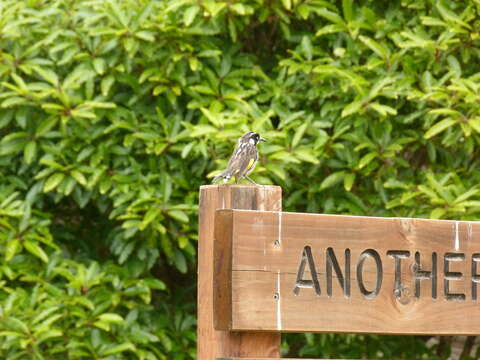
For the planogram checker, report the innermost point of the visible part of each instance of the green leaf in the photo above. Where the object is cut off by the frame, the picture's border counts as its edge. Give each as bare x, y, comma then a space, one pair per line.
110, 318
5, 118
30, 152
155, 284
277, 170
46, 125
299, 134
189, 14
13, 101
437, 213
348, 181
47, 74
214, 118
106, 84
99, 65
454, 65
79, 177
287, 4
53, 181
367, 159
120, 16
99, 104
475, 123
352, 108
347, 6
151, 215
102, 325
12, 248
45, 313
378, 49
146, 35
83, 114
445, 111
13, 143
466, 195
439, 127
33, 248
430, 21
307, 48
209, 53
332, 179
304, 11
306, 154
19, 81
214, 7
118, 349
331, 16
330, 29
180, 262
383, 110
178, 215
202, 130
449, 15
16, 324
241, 9
45, 335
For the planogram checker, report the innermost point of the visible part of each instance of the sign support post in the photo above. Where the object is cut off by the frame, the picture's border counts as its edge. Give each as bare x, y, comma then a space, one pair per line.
218, 343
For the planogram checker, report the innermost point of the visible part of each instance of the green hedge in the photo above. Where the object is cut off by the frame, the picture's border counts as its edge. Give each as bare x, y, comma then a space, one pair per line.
114, 112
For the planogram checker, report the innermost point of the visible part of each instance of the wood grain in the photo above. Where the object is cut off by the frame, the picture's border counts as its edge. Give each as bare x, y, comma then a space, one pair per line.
266, 250
210, 342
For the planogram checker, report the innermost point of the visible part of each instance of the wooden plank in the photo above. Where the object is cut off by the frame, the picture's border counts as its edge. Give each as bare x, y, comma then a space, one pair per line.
222, 272
390, 285
212, 343
250, 358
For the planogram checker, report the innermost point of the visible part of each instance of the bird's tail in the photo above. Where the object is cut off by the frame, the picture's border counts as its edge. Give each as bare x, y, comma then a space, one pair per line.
226, 175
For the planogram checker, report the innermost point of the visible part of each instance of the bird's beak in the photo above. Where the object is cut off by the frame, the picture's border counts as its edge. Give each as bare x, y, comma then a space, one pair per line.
263, 139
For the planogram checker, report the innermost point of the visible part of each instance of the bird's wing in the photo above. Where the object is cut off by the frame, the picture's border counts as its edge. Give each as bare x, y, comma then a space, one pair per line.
251, 164
244, 161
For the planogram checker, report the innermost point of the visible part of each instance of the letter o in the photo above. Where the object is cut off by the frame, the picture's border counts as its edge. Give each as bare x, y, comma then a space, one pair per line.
378, 262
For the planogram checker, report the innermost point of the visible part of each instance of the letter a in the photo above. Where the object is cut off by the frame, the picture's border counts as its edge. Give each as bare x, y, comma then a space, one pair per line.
302, 283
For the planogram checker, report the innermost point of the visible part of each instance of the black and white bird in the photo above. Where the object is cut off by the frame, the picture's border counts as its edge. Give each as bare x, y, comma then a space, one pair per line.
243, 160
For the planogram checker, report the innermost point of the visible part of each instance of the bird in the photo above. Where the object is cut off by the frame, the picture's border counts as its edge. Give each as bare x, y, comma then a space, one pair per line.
243, 160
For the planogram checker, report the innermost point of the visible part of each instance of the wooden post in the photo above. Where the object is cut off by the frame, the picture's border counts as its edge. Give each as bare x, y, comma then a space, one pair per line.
211, 343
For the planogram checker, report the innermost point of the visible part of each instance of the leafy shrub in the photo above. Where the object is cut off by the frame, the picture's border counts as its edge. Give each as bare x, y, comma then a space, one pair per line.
112, 113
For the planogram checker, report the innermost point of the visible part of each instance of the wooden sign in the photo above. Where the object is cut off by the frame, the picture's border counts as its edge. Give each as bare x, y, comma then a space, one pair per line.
292, 272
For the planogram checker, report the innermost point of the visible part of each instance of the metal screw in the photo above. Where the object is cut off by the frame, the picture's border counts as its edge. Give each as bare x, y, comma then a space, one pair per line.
276, 296
276, 243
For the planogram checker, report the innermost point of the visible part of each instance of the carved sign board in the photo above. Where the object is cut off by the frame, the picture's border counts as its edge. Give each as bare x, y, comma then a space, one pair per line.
295, 272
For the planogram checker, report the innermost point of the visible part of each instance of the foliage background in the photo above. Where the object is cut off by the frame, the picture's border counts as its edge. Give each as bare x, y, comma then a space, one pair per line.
113, 113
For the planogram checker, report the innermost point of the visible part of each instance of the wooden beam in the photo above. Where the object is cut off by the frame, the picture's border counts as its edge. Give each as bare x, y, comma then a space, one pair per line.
212, 343
292, 272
